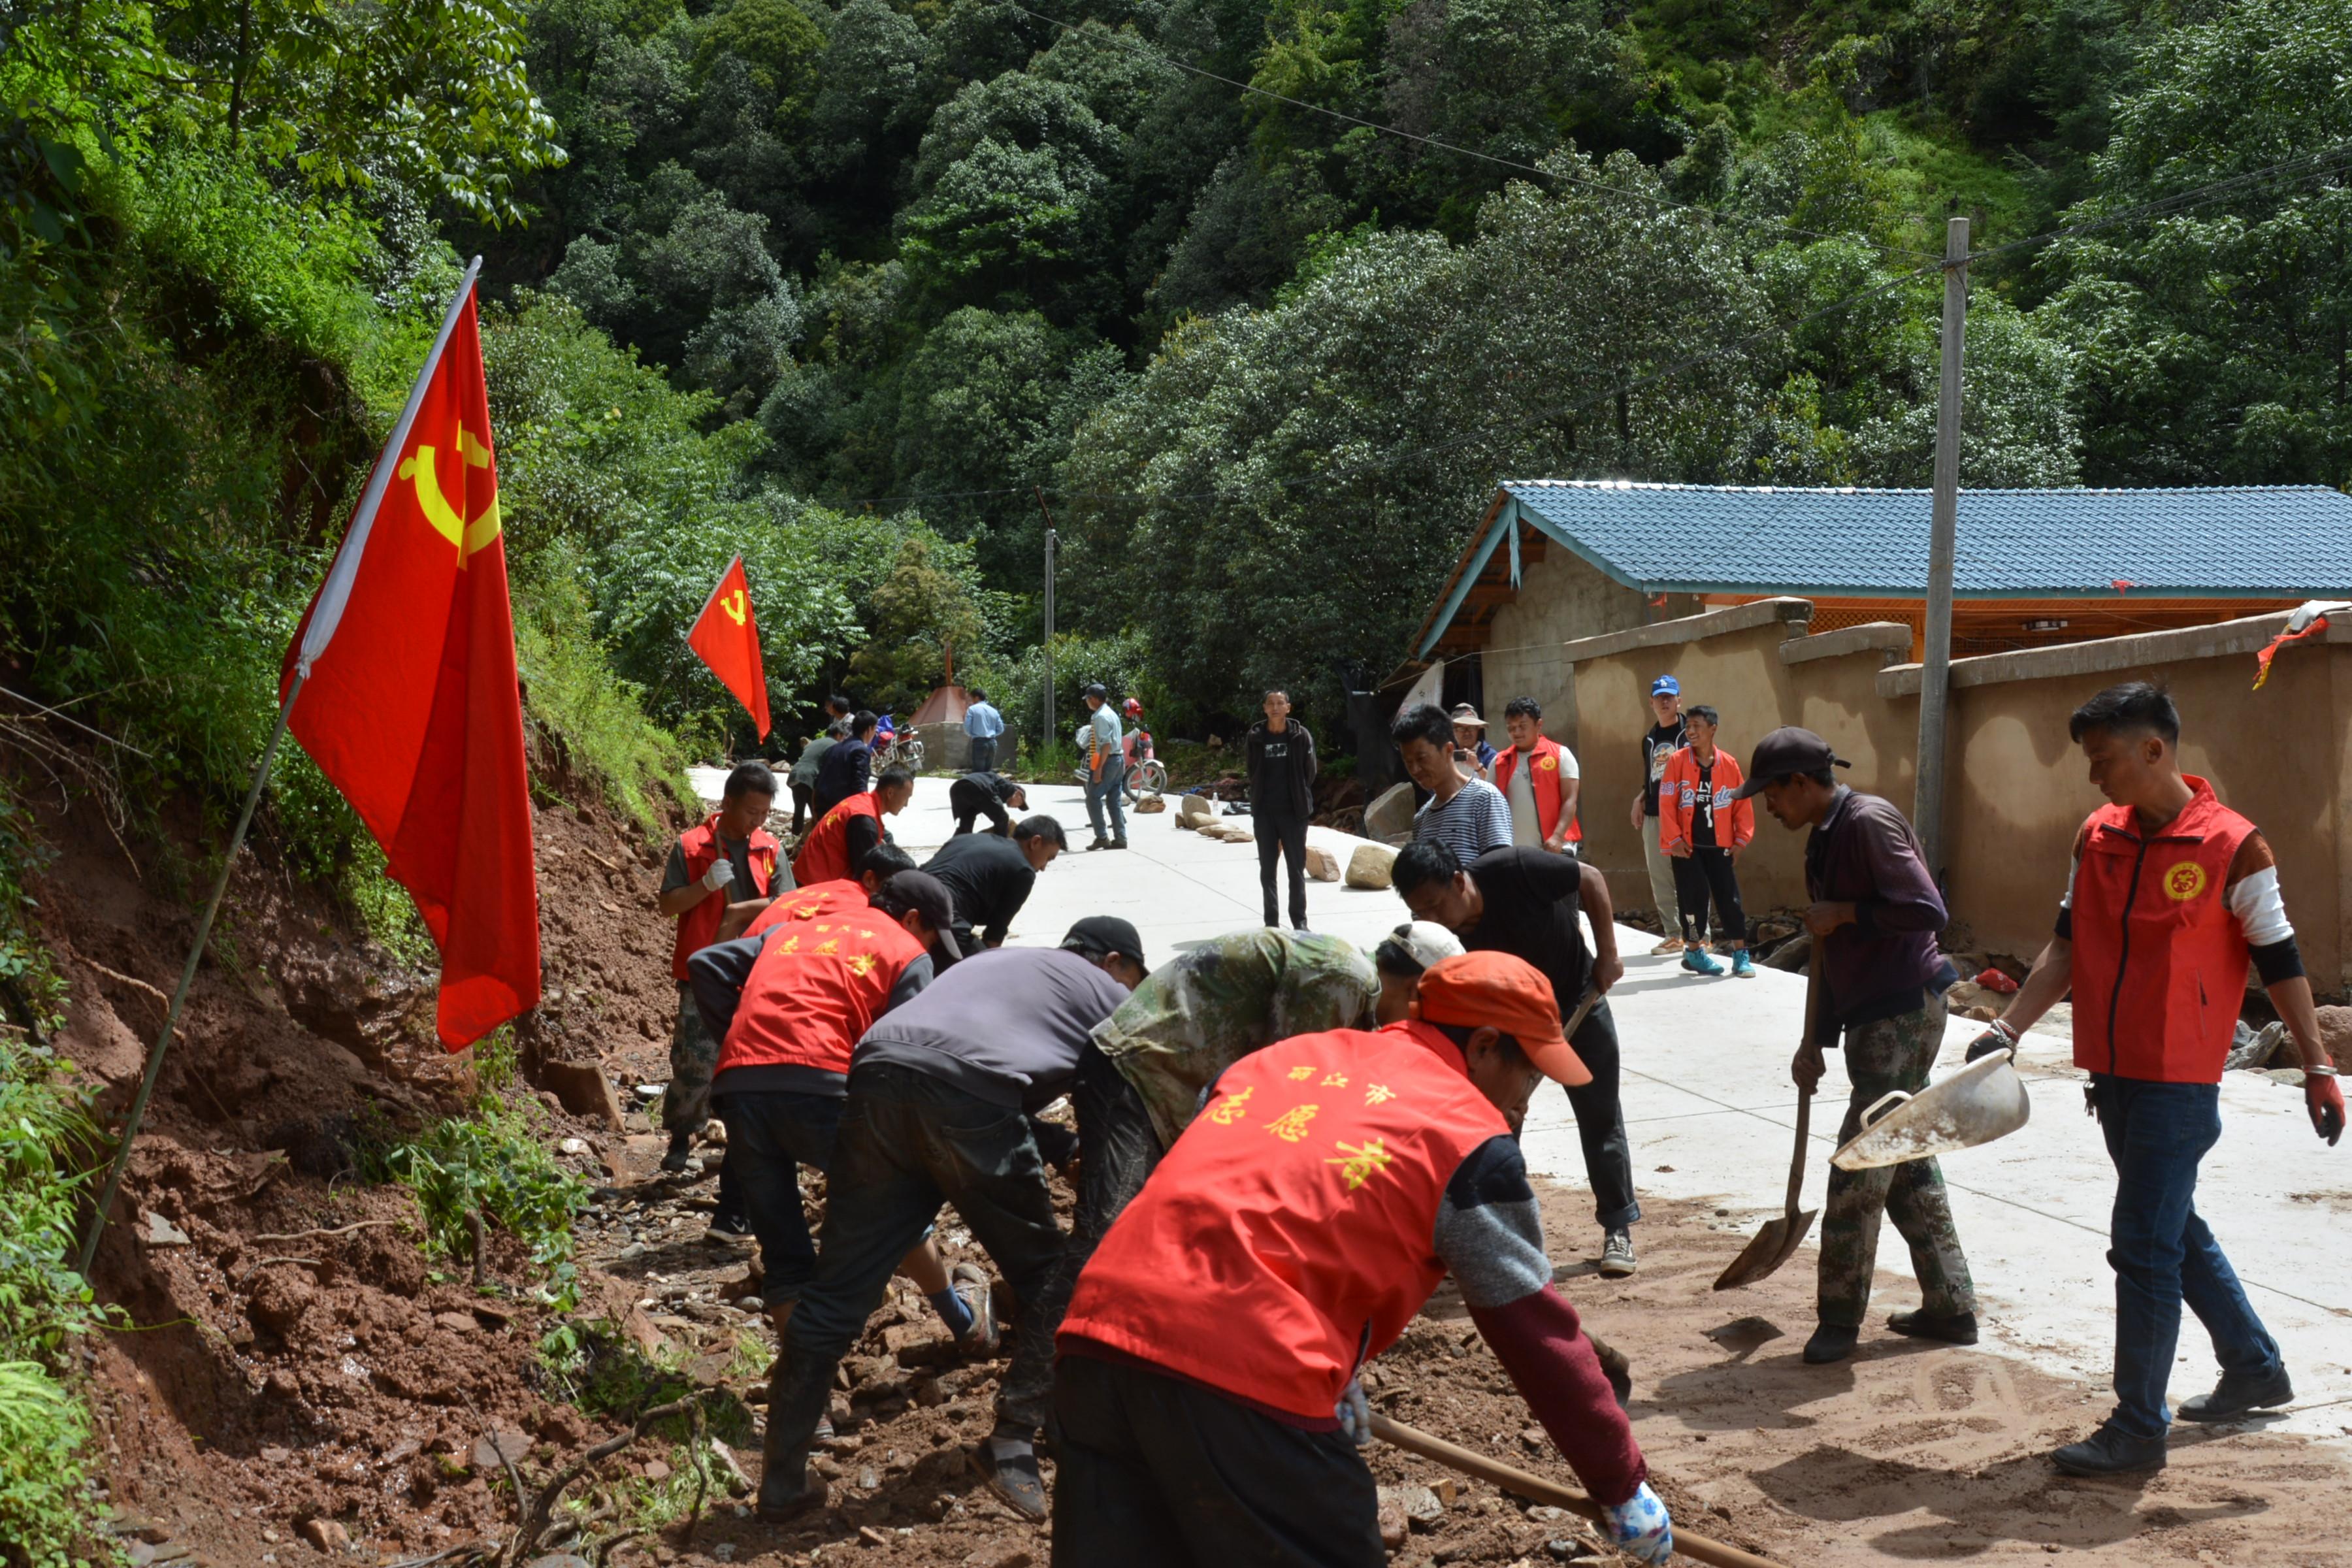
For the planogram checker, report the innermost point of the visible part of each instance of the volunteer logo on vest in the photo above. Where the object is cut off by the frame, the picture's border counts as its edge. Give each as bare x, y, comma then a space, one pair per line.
2184, 881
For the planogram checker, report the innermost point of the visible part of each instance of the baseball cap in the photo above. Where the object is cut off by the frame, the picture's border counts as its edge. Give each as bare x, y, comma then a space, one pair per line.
1497, 991
1464, 714
1786, 750
1426, 941
1665, 686
1098, 934
922, 891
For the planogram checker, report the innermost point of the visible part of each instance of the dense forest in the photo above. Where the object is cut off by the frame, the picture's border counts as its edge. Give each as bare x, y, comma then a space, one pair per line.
1255, 299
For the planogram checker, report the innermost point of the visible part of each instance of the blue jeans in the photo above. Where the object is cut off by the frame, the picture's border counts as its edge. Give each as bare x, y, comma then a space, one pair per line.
1106, 789
2162, 1253
770, 1134
983, 753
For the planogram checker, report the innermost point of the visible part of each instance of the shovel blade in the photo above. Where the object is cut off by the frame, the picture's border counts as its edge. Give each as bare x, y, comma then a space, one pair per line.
1773, 1246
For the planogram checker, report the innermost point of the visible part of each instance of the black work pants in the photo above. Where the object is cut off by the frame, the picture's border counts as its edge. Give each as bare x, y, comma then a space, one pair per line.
1601, 1121
770, 1134
1284, 837
968, 802
1157, 1472
909, 1143
801, 800
1706, 872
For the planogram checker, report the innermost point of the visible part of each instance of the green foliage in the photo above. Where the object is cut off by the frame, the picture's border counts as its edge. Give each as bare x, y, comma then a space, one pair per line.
493, 1162
44, 1484
927, 608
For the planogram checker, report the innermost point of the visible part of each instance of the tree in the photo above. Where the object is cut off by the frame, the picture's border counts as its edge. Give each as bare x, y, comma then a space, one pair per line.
928, 604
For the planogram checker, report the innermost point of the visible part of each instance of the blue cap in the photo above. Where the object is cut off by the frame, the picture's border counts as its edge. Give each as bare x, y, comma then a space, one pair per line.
1665, 686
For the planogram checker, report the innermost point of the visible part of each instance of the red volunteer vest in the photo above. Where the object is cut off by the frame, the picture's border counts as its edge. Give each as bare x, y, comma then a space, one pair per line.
1289, 1235
818, 986
824, 853
698, 925
1544, 783
2159, 962
808, 903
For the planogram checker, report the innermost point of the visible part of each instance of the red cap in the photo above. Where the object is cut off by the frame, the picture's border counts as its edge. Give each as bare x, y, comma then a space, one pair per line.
1496, 991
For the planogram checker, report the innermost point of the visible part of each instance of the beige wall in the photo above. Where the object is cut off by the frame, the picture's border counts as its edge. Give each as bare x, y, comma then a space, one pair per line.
1561, 597
2017, 792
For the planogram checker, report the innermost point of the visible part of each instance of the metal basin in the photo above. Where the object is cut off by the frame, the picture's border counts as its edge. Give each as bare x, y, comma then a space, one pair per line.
1982, 1102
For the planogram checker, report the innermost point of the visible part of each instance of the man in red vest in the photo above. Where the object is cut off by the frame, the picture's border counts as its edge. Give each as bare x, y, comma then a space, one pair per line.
1539, 777
725, 865
790, 1003
1207, 1391
837, 846
2170, 897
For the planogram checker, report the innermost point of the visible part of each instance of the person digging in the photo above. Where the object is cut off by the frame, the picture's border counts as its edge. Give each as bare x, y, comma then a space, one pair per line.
1874, 915
1207, 1393
2170, 896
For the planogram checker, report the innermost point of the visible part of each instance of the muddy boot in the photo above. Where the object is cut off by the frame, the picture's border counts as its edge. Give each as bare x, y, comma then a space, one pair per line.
1006, 1464
798, 1394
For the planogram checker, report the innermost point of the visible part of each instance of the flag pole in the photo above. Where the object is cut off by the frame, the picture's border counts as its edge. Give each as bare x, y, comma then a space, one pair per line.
332, 596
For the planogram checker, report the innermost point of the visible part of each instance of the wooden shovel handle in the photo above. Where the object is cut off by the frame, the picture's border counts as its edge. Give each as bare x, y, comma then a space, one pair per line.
1413, 1440
1805, 1095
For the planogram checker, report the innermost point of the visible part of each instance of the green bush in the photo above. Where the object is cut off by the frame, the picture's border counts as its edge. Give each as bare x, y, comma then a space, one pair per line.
495, 1163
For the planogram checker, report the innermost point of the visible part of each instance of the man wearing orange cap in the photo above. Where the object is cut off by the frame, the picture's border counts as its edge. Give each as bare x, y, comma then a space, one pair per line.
1207, 1388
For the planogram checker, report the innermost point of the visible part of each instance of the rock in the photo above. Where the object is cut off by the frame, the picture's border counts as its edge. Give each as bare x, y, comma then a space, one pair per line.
1149, 805
558, 1560
280, 1297
1393, 1523
326, 1535
1321, 864
161, 1232
500, 1449
572, 1146
998, 1557
900, 1338
657, 1470
1370, 865
457, 1322
1970, 1000
739, 1480
2335, 1033
585, 1090
1191, 810
869, 1479
1390, 818
1417, 1505
1793, 954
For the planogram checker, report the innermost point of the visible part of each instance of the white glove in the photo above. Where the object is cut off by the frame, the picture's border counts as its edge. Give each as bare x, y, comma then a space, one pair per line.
1355, 1415
1640, 1527
721, 872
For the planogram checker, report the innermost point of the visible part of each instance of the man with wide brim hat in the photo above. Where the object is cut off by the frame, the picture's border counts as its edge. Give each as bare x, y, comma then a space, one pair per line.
1207, 1393
1470, 735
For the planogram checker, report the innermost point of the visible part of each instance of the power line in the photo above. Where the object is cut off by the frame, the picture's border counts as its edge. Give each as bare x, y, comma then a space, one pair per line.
1536, 169
2311, 165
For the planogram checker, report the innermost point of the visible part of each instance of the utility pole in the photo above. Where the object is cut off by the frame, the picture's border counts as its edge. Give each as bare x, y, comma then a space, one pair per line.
1936, 658
1047, 738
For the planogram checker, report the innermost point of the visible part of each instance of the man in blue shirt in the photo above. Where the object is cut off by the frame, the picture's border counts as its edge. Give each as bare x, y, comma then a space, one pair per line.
981, 724
1106, 771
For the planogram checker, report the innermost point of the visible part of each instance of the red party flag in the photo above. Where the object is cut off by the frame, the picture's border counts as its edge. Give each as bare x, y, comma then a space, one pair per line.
727, 636
409, 700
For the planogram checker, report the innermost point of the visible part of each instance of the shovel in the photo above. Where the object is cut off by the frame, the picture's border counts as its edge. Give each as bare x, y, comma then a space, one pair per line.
1781, 1237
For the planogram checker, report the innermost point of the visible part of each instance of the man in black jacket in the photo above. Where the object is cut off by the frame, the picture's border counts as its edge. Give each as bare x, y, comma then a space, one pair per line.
990, 876
984, 793
847, 768
1281, 755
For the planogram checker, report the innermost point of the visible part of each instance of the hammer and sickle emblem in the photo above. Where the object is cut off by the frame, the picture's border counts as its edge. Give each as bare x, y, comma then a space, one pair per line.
468, 535
733, 604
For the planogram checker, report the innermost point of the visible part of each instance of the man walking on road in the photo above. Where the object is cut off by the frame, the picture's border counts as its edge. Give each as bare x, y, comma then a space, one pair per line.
981, 724
1467, 815
1664, 738
2170, 896
1206, 1395
1703, 824
1874, 915
1525, 902
1537, 778
938, 1089
1106, 771
1281, 762
990, 877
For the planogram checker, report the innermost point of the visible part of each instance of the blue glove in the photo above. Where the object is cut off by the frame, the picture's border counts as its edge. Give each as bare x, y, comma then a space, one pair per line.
1640, 1527
1355, 1415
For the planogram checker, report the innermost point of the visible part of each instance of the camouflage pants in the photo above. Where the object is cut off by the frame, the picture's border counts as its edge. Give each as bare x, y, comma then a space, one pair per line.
1893, 1053
693, 1059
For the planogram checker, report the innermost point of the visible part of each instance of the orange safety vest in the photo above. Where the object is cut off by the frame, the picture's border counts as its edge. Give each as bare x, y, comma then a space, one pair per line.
1545, 783
816, 988
1735, 820
2159, 962
1290, 1234
824, 853
699, 925
808, 903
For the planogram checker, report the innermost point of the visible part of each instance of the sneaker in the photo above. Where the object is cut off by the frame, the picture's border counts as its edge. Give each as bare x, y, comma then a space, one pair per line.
2107, 1452
1617, 1255
732, 1230
1741, 969
1960, 1329
2239, 1395
1830, 1343
981, 1341
1672, 944
1698, 960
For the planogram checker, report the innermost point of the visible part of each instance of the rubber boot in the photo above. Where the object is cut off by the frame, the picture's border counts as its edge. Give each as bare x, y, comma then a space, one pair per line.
797, 1396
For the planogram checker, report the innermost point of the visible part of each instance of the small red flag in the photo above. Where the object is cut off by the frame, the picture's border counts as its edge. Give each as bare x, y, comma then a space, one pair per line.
410, 703
727, 636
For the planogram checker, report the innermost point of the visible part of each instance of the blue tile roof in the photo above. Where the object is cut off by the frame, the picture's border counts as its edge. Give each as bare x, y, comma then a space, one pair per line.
2257, 541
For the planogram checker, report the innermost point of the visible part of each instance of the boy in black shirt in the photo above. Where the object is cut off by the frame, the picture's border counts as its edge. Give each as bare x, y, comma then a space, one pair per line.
1525, 902
1664, 738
